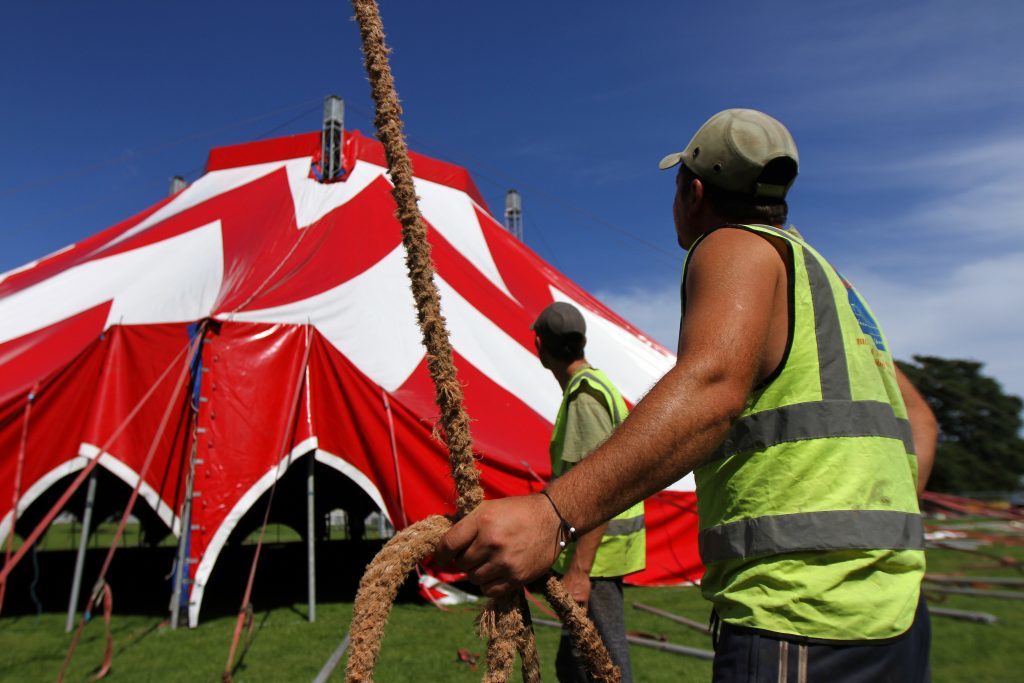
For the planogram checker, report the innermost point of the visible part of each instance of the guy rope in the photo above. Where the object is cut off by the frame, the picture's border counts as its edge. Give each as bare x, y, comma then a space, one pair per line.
504, 621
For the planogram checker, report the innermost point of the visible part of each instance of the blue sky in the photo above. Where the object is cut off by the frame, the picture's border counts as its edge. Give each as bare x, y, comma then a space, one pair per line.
909, 117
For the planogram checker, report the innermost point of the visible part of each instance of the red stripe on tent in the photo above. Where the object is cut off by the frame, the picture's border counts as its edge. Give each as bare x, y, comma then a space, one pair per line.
672, 555
263, 151
59, 415
38, 354
353, 424
341, 245
249, 387
479, 291
526, 274
357, 146
135, 357
506, 432
529, 278
257, 225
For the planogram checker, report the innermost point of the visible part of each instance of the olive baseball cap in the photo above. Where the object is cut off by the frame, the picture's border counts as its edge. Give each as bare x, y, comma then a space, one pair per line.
560, 319
743, 151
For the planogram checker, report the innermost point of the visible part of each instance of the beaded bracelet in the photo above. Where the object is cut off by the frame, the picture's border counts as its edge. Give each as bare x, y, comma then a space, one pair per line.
566, 531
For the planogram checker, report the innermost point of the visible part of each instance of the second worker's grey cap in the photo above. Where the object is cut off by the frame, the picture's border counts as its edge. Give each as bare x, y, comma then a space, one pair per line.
735, 147
560, 319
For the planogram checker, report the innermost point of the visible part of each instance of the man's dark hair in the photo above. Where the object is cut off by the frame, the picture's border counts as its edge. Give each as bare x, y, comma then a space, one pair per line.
741, 208
566, 348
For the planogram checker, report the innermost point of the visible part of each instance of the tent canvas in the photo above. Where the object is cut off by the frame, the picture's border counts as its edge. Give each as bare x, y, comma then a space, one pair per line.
308, 339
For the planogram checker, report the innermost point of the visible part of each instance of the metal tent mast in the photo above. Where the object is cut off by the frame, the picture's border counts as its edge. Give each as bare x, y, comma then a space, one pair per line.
514, 214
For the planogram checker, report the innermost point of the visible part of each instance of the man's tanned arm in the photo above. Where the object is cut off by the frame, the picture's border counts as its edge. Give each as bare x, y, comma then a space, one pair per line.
588, 424
923, 426
687, 414
577, 574
733, 281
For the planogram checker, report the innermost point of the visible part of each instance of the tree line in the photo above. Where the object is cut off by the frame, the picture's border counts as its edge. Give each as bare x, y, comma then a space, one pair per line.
980, 448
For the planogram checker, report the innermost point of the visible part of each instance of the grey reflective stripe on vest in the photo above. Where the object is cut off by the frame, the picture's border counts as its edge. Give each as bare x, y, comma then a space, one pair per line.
616, 418
836, 415
832, 366
835, 376
806, 531
625, 527
815, 420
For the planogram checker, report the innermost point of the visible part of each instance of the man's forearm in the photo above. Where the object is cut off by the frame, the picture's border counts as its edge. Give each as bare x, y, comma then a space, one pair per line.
586, 549
673, 430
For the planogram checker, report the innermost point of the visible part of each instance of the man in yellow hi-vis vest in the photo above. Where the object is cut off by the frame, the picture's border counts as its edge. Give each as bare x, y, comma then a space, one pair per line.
807, 444
591, 568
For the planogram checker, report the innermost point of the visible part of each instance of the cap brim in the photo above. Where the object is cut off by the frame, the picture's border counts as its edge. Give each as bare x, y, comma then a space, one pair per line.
670, 161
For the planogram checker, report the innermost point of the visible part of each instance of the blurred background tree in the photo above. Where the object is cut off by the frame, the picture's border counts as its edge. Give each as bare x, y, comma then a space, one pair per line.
980, 448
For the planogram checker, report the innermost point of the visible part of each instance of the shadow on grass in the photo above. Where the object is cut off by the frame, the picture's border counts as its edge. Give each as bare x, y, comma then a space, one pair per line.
138, 577
134, 639
250, 638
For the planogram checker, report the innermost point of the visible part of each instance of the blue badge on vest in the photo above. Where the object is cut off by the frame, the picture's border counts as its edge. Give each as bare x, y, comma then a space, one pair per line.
867, 324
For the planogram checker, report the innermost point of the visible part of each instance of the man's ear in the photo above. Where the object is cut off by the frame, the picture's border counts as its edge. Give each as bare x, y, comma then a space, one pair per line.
696, 193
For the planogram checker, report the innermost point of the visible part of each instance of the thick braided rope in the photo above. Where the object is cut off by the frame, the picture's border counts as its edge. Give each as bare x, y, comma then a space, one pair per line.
505, 623
378, 587
527, 644
417, 259
502, 621
584, 635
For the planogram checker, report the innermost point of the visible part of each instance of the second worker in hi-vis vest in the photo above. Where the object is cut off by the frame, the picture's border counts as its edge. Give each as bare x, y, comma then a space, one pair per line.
593, 566
808, 445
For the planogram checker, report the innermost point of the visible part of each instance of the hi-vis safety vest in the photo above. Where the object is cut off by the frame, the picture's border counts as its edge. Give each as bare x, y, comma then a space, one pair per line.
623, 548
809, 522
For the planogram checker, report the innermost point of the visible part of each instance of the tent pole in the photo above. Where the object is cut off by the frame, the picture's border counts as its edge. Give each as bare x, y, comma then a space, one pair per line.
179, 565
183, 537
83, 543
311, 536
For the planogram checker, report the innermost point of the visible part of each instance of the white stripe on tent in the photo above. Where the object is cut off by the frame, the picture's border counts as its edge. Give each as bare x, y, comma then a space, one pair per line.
86, 452
687, 483
131, 477
497, 355
32, 264
453, 214
230, 521
313, 200
449, 210
39, 487
633, 363
177, 279
371, 320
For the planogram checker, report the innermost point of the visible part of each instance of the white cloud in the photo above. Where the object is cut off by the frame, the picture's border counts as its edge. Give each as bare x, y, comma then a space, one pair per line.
974, 313
913, 113
655, 310
910, 61
971, 190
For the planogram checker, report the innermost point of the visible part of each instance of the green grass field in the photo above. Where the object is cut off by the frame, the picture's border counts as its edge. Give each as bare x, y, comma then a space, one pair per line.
422, 642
